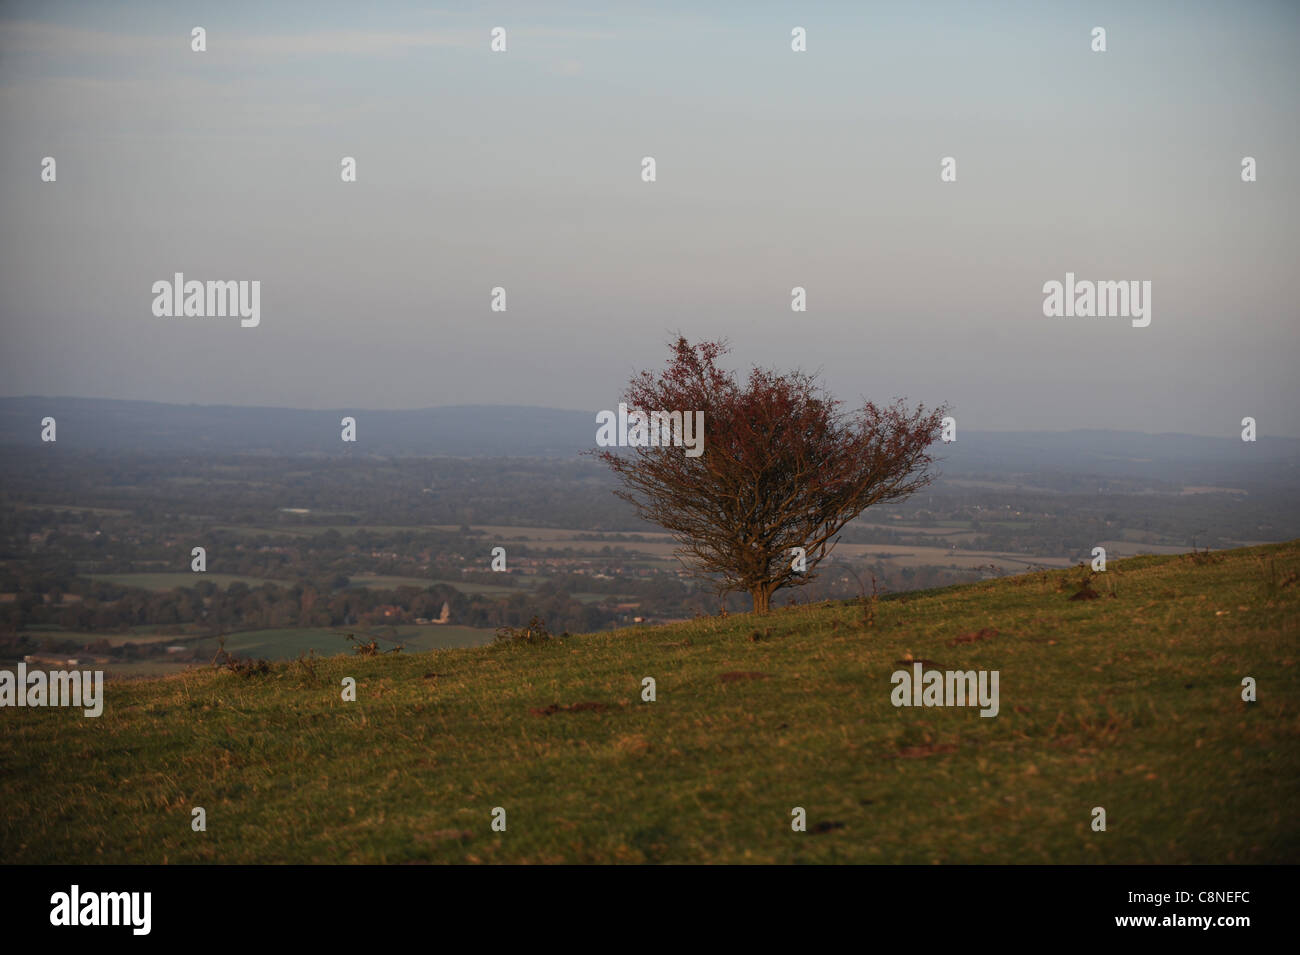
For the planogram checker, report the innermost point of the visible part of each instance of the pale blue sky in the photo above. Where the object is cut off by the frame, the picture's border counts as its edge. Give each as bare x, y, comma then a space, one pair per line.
775, 169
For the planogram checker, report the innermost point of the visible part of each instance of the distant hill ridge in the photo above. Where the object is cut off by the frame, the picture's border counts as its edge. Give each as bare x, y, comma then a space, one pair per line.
525, 431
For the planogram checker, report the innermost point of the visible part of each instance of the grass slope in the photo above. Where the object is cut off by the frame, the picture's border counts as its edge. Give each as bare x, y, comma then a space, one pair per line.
1131, 702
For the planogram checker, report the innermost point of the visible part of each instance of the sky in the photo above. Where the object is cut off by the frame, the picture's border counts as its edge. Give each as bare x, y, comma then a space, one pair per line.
775, 169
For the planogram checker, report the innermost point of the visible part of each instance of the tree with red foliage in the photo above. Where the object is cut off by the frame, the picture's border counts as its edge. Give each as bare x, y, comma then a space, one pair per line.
782, 467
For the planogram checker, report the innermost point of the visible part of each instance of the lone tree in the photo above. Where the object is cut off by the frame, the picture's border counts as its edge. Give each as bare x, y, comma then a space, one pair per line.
782, 468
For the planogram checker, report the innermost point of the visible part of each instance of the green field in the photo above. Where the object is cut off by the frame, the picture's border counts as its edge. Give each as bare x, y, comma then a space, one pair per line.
170, 581
275, 645
382, 582
328, 641
1130, 702
48, 636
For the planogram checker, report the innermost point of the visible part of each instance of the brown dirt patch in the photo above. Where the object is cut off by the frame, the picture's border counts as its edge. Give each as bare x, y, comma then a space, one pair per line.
569, 708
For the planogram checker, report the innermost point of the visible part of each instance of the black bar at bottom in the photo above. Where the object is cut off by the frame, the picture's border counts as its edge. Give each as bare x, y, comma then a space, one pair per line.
239, 904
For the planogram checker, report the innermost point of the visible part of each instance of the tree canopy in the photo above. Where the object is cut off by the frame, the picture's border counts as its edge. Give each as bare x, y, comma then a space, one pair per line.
783, 467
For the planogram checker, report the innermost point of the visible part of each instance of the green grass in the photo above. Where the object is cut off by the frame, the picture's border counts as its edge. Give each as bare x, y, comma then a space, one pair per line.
441, 636
142, 668
1130, 702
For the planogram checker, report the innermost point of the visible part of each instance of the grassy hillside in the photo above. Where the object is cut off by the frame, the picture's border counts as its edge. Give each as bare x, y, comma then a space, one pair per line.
1131, 702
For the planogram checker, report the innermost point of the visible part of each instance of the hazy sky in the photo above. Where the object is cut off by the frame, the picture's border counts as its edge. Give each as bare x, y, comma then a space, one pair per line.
775, 169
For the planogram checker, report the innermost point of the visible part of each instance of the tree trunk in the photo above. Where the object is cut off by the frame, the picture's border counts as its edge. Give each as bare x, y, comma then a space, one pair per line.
762, 594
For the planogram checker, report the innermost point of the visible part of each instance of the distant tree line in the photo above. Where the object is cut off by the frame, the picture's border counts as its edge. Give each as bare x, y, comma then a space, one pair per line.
99, 606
